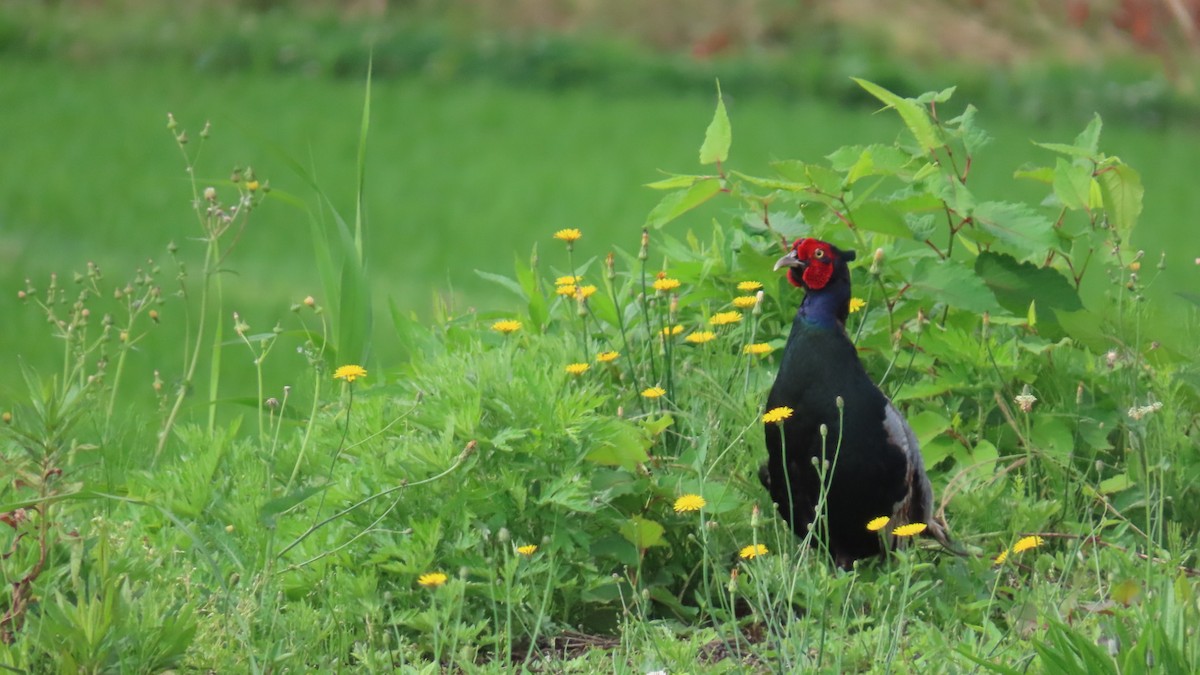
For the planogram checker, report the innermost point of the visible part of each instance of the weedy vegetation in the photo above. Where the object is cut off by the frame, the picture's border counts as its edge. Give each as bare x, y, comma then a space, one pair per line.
569, 484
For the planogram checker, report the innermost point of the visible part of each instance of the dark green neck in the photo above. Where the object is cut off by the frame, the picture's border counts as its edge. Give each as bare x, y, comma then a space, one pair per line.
828, 307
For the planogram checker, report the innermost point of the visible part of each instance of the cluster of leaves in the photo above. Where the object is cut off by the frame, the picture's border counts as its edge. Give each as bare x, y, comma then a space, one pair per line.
521, 474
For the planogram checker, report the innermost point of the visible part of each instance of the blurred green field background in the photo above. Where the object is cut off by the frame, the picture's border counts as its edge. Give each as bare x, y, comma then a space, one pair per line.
463, 173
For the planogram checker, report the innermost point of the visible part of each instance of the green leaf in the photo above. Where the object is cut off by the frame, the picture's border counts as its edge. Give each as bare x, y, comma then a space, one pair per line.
674, 182
915, 117
1031, 316
1072, 184
1042, 174
1115, 484
873, 160
270, 510
678, 203
619, 443
1018, 286
949, 282
504, 282
973, 137
1122, 189
1018, 225
1052, 435
875, 216
642, 533
718, 136
1089, 138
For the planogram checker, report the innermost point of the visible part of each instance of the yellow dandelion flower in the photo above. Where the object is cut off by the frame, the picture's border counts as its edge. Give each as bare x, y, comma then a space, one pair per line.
506, 326
666, 284
607, 357
909, 530
758, 349
654, 392
432, 579
857, 304
565, 289
668, 331
745, 301
1026, 543
349, 373
584, 292
749, 286
567, 281
252, 185
777, 415
689, 502
723, 318
877, 524
1001, 558
568, 235
527, 549
700, 337
1135, 265
752, 552
577, 369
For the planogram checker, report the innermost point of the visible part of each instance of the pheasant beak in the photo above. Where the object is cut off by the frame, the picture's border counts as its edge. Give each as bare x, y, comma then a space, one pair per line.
790, 260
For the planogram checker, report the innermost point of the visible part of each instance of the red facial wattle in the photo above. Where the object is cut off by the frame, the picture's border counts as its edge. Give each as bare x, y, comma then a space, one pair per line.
817, 270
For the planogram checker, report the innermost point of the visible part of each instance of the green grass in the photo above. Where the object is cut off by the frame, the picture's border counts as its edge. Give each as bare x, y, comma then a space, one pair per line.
459, 176
296, 545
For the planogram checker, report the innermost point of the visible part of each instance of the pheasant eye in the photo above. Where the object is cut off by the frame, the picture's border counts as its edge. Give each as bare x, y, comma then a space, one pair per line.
819, 253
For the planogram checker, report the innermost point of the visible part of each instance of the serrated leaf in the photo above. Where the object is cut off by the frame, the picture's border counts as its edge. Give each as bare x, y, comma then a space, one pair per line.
973, 137
1072, 184
642, 533
1017, 286
680, 202
1122, 189
718, 136
915, 117
882, 218
949, 282
1089, 138
1019, 226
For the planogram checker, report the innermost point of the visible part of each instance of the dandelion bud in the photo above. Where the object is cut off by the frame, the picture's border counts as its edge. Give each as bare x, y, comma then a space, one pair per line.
839, 402
610, 266
1079, 394
206, 130
182, 138
6, 417
503, 536
123, 336
712, 525
877, 262
229, 529
1162, 261
309, 301
287, 389
645, 595
21, 295
813, 461
755, 516
758, 301
272, 403
158, 383
644, 253
154, 315
210, 193
824, 431
674, 307
171, 123
620, 412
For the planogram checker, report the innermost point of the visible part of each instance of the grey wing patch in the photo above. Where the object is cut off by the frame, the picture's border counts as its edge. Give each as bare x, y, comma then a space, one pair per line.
917, 505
